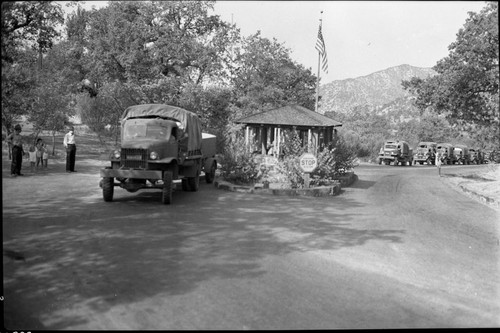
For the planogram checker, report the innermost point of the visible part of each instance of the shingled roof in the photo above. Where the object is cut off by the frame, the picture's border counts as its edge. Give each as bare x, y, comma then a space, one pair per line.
291, 115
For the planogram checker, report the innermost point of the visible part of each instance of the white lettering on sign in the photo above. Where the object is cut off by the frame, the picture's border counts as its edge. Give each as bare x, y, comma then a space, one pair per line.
308, 162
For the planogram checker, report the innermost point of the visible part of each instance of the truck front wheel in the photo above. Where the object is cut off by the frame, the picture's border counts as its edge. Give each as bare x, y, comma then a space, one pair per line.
166, 197
107, 189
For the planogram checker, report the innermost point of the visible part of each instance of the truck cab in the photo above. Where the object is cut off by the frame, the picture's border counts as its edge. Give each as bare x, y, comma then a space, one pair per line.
462, 154
425, 152
446, 150
396, 152
160, 144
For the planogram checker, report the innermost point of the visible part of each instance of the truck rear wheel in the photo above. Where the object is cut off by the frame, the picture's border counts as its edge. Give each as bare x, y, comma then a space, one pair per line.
107, 189
166, 197
210, 174
194, 183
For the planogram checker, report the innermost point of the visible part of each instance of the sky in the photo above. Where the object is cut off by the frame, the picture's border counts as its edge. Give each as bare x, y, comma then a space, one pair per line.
361, 37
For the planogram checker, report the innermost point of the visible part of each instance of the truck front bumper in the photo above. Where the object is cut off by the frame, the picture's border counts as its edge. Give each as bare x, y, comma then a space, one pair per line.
132, 173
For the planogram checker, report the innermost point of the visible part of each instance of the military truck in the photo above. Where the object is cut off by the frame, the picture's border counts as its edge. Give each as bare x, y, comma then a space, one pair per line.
462, 154
396, 152
425, 152
160, 145
446, 150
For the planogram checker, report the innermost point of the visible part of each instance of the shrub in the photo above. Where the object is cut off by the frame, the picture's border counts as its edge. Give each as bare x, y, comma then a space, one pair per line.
334, 160
238, 164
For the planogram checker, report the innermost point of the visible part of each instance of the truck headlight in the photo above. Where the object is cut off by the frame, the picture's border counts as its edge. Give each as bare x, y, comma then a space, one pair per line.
116, 154
153, 155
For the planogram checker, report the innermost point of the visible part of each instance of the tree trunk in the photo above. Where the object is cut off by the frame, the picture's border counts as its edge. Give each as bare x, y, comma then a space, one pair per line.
53, 143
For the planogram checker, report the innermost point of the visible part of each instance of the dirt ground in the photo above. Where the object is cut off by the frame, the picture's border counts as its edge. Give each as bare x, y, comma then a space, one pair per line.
484, 186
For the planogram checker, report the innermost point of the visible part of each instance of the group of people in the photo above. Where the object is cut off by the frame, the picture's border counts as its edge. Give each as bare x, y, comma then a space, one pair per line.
38, 153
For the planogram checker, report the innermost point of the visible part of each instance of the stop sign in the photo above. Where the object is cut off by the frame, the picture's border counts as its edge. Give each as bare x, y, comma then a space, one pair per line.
308, 162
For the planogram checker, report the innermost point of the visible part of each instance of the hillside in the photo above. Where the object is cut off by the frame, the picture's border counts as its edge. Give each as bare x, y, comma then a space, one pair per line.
379, 89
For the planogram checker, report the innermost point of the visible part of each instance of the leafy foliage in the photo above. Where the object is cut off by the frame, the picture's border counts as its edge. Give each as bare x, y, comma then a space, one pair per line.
29, 23
466, 88
238, 163
265, 77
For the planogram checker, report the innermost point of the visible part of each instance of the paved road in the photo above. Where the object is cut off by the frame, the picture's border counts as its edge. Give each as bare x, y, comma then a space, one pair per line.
399, 249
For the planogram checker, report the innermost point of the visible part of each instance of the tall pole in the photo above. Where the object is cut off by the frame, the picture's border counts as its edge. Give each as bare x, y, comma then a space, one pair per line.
317, 86
317, 79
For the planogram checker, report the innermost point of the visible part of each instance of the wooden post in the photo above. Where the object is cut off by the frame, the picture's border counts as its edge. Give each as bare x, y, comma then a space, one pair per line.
263, 139
308, 139
278, 143
247, 132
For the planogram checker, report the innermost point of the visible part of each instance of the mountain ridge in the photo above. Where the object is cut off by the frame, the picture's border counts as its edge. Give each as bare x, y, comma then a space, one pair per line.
371, 91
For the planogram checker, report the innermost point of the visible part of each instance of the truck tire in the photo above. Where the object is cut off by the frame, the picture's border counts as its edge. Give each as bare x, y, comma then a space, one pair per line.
194, 183
210, 174
107, 189
166, 197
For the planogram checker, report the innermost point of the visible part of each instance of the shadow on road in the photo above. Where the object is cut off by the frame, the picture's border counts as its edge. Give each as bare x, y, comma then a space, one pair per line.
83, 255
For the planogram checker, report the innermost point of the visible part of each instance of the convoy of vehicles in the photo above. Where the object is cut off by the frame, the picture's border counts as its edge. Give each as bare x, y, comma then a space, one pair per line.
396, 152
160, 144
425, 152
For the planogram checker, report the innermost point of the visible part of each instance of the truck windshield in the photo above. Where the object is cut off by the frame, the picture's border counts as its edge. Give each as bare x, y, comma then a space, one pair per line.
390, 146
150, 131
422, 146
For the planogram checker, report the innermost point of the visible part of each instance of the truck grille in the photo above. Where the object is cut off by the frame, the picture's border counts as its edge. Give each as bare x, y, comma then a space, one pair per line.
134, 158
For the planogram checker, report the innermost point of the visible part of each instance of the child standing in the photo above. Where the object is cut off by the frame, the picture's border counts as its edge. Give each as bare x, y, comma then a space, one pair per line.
32, 157
39, 152
45, 155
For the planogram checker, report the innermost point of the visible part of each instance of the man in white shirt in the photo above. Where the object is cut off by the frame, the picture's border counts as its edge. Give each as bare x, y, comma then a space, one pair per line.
69, 144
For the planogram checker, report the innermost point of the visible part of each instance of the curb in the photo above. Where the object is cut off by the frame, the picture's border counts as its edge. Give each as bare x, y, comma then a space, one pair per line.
481, 197
319, 191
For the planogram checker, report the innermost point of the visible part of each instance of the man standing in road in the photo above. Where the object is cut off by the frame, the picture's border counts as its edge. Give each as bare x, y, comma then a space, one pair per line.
69, 144
15, 140
438, 163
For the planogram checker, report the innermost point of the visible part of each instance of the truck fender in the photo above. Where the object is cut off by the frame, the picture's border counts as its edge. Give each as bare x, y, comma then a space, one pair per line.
208, 163
164, 160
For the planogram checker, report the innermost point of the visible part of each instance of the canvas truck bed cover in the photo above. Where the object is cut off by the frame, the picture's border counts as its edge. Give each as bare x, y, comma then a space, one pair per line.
188, 119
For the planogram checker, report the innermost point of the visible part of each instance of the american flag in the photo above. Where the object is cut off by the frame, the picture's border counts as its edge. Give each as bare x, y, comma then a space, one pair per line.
320, 46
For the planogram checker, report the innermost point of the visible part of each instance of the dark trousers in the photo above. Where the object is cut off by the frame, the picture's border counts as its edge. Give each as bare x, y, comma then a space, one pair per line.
70, 157
17, 160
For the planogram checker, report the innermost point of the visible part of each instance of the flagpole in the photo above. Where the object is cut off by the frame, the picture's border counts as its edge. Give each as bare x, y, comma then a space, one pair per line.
317, 79
317, 85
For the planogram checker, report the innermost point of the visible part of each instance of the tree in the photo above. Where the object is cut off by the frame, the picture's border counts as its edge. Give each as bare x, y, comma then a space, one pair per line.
29, 23
265, 77
466, 88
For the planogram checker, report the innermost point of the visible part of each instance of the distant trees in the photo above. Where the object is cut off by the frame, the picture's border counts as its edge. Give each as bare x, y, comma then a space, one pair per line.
466, 88
133, 52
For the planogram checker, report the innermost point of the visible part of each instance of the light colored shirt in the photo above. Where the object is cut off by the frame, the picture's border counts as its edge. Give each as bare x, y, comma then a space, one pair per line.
15, 139
69, 139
